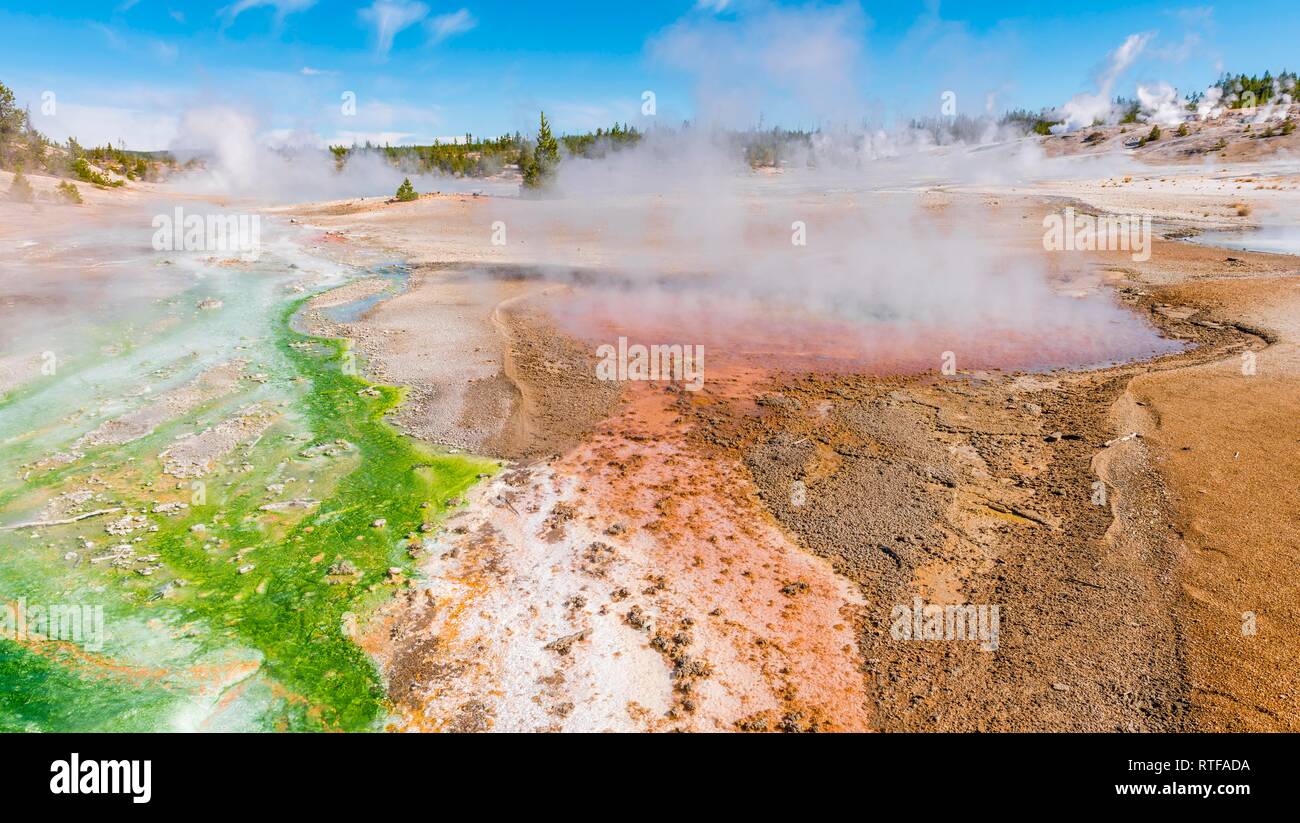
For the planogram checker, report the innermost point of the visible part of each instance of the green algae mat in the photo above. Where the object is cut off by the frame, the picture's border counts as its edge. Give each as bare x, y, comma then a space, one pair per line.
224, 590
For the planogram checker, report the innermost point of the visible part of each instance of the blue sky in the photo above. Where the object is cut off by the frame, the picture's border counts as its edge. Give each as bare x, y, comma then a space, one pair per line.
129, 69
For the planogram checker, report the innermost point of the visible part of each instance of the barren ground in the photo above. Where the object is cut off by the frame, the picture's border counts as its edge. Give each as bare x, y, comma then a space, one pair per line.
645, 565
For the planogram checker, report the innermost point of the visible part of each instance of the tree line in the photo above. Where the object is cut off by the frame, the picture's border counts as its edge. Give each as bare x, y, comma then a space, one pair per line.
475, 156
25, 150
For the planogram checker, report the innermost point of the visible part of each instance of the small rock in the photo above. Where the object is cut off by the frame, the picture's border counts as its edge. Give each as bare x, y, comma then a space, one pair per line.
562, 646
794, 588
637, 618
342, 568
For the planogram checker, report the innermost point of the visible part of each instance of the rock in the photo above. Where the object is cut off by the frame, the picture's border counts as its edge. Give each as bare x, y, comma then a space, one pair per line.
343, 568
637, 618
778, 401
1060, 687
127, 524
246, 568
794, 588
379, 524
563, 645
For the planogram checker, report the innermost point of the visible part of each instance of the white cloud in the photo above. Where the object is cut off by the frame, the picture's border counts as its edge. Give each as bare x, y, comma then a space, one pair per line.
449, 25
162, 50
807, 59
167, 52
1197, 15
282, 8
303, 139
389, 18
114, 39
587, 116
100, 125
376, 138
1181, 52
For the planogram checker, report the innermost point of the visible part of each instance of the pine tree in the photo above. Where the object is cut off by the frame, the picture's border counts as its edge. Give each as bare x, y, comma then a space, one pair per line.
11, 117
545, 161
406, 192
20, 189
525, 158
69, 192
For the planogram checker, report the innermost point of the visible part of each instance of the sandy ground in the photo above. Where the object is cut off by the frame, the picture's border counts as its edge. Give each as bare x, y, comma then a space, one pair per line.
1226, 442
1226, 197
